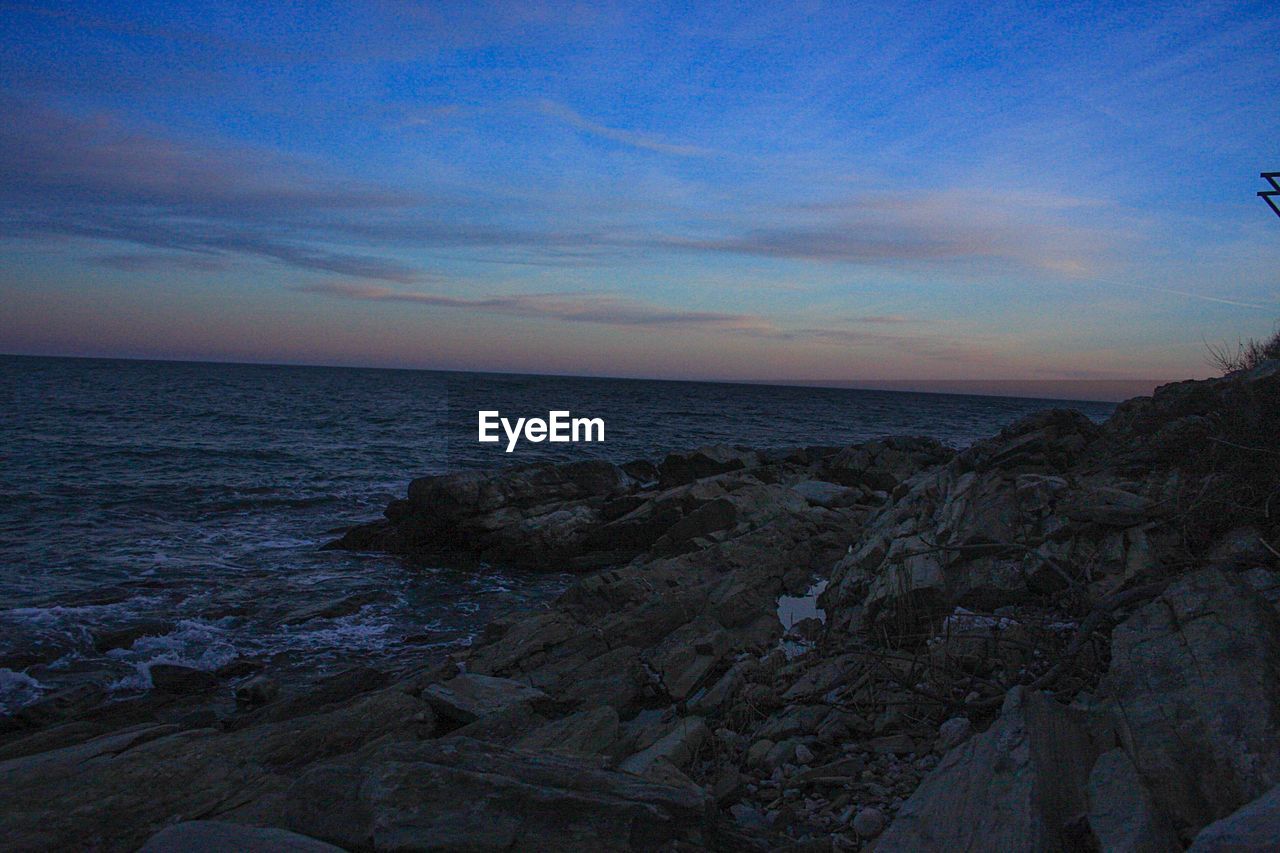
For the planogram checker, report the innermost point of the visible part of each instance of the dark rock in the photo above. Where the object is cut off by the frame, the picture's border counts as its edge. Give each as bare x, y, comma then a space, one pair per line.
468, 697
469, 795
1255, 828
213, 836
1196, 678
123, 638
171, 678
1011, 788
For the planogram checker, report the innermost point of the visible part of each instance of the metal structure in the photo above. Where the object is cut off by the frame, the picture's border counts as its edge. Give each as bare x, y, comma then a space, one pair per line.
1269, 196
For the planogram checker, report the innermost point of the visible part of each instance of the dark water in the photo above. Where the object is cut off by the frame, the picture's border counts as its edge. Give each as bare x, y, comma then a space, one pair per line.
195, 496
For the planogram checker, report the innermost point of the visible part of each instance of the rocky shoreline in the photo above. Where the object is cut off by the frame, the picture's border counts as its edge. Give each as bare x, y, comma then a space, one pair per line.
1061, 638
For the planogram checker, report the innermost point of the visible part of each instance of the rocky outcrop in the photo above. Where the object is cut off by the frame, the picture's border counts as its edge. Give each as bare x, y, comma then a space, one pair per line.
211, 835
586, 515
1017, 786
1062, 638
1195, 677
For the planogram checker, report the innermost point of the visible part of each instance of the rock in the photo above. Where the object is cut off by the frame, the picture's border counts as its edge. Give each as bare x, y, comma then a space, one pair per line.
468, 697
1122, 815
953, 732
333, 609
680, 468
123, 638
1242, 547
804, 755
584, 733
676, 748
1255, 828
171, 678
257, 691
781, 753
869, 822
213, 836
1195, 675
468, 795
1011, 788
829, 495
758, 751
115, 791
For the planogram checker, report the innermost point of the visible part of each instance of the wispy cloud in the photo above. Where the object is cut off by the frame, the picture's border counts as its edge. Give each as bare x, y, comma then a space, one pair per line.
634, 139
571, 307
158, 261
609, 310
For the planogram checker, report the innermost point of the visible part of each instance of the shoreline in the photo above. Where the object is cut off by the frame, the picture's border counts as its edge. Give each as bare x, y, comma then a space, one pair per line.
1008, 590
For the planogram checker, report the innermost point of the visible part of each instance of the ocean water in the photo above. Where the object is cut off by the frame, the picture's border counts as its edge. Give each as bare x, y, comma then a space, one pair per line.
185, 504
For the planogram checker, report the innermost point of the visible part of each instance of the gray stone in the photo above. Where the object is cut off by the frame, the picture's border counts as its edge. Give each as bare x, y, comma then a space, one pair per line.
1122, 814
953, 732
461, 794
1253, 829
1195, 676
676, 748
829, 495
1010, 788
868, 822
468, 697
215, 836
584, 733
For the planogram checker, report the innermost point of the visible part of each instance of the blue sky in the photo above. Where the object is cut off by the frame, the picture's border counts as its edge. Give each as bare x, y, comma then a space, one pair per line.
773, 191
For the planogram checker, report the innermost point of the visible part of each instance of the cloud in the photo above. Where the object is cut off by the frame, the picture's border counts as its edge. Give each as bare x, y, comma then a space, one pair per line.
158, 261
578, 308
607, 310
647, 142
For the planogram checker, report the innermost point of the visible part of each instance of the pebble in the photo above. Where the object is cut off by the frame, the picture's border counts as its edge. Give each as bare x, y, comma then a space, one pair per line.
804, 755
868, 823
953, 732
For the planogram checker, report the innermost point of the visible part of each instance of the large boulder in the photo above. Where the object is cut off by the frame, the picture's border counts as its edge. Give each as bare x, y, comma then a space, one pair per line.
470, 696
462, 794
216, 836
114, 792
1014, 787
1195, 676
1253, 829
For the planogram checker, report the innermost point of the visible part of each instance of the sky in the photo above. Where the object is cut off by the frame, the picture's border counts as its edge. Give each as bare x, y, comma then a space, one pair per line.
826, 192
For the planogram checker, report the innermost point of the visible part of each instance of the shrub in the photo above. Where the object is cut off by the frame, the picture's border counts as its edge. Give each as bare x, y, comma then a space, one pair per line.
1247, 354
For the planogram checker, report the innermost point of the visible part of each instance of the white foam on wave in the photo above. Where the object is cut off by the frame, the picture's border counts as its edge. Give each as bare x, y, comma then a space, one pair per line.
193, 643
17, 690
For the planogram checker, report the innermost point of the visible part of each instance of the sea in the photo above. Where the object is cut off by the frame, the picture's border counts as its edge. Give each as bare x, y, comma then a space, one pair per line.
183, 506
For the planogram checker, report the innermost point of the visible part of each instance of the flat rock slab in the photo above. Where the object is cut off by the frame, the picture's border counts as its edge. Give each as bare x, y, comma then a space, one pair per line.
463, 794
470, 696
1009, 788
216, 836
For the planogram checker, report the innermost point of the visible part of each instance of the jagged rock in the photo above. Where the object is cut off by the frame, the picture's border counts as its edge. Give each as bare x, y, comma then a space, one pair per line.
676, 748
257, 691
211, 836
470, 696
1255, 828
123, 638
584, 733
1195, 676
114, 792
680, 468
824, 494
1010, 788
343, 606
1122, 814
172, 678
468, 795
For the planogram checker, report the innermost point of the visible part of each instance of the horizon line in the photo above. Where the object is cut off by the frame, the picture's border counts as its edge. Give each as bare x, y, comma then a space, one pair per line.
997, 388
